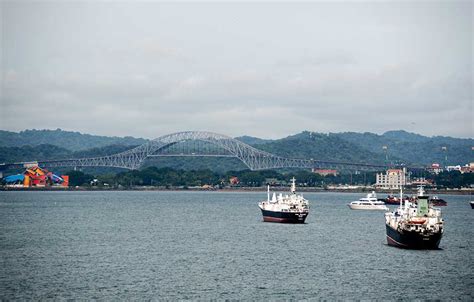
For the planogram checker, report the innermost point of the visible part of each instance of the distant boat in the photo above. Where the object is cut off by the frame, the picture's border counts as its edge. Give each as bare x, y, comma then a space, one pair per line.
416, 226
391, 199
368, 203
472, 204
292, 208
436, 201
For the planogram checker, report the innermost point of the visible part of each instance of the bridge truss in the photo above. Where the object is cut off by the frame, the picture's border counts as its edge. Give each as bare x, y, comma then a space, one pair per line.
253, 158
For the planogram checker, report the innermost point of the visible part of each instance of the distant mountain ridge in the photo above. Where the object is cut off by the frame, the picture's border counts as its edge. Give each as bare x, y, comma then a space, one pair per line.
401, 146
73, 141
251, 140
319, 146
414, 148
403, 135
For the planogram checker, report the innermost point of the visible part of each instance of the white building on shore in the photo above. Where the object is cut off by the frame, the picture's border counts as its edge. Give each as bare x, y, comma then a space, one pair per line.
392, 179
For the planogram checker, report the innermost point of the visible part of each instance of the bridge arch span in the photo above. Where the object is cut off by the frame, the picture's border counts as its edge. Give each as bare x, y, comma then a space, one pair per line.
253, 158
249, 155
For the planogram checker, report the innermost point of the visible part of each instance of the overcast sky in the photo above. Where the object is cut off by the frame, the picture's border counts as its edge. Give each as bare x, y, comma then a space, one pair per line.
261, 69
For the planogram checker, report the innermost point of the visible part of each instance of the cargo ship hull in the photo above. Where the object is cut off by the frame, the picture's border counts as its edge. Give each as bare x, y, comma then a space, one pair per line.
412, 240
284, 217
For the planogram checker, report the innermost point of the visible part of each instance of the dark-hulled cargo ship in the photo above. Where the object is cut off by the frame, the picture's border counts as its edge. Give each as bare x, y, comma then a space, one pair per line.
415, 226
292, 208
413, 239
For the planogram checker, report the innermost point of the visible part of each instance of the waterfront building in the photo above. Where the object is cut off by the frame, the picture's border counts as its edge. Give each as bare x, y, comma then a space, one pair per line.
421, 181
453, 168
273, 182
435, 168
468, 168
392, 179
325, 172
234, 180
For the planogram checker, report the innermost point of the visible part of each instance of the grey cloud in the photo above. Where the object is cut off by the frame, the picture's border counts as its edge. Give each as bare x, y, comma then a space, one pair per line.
268, 70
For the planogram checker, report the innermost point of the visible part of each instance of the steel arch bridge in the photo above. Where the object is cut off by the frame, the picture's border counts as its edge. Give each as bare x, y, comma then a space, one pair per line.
253, 158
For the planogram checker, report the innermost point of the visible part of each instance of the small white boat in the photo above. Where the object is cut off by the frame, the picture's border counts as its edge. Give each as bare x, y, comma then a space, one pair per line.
368, 203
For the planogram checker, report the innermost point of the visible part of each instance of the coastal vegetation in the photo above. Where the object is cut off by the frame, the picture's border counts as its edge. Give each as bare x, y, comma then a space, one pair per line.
171, 178
390, 147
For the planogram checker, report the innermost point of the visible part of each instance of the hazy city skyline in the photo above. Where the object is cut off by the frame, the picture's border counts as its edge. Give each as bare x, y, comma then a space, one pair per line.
263, 69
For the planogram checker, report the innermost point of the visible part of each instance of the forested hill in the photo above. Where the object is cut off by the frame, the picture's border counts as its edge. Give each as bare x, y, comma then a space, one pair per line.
251, 140
73, 141
320, 146
366, 147
414, 148
398, 146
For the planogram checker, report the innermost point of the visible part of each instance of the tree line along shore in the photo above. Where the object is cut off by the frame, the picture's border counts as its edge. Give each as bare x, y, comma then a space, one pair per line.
245, 180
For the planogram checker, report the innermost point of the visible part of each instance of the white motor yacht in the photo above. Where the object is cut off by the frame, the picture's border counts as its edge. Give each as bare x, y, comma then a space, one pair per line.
368, 203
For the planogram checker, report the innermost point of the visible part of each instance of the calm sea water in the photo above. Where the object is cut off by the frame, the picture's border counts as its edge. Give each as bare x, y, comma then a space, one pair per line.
213, 245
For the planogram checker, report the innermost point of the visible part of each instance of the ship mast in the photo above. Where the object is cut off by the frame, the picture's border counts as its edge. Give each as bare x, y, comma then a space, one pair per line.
401, 196
293, 185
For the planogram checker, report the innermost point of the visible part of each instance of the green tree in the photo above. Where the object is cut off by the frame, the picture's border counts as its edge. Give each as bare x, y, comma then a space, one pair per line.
78, 178
453, 179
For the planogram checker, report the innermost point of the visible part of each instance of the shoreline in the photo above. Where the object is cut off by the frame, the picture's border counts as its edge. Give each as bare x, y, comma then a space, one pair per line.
242, 189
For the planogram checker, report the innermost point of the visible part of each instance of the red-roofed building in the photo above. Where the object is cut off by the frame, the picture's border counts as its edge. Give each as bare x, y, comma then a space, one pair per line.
325, 172
435, 168
234, 180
